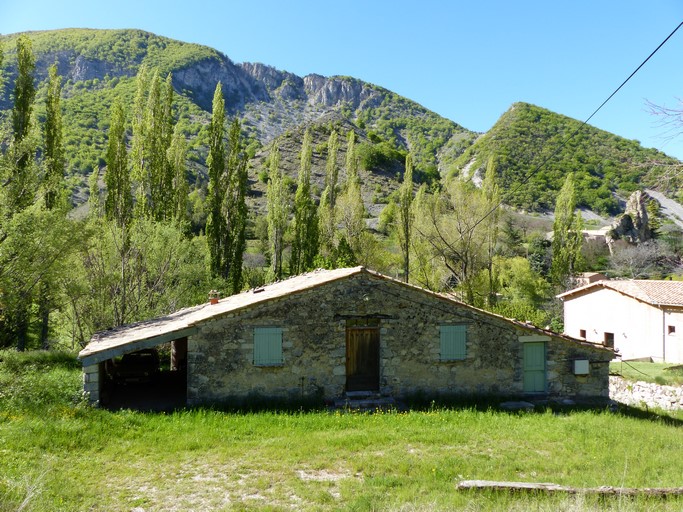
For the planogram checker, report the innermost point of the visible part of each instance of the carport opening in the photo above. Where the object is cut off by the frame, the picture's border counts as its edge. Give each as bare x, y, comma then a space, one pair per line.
152, 379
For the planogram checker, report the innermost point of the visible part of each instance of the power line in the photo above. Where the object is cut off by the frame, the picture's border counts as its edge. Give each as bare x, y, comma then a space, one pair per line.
573, 134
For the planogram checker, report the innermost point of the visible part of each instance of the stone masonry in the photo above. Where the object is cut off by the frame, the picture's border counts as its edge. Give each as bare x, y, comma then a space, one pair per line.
313, 322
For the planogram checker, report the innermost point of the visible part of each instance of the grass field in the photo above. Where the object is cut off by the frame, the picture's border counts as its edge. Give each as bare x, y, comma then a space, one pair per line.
57, 453
660, 373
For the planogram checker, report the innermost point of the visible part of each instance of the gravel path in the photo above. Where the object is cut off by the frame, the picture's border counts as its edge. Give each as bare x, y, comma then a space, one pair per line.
670, 208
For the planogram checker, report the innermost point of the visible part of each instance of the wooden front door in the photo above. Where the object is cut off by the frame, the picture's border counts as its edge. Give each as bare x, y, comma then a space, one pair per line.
362, 358
534, 367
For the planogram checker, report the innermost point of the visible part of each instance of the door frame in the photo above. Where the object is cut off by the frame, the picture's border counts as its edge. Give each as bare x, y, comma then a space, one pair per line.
371, 326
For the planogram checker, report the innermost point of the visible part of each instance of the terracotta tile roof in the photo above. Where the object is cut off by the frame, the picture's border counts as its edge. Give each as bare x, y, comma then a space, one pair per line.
657, 293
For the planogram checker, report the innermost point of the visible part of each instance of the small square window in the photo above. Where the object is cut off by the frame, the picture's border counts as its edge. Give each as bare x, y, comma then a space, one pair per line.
268, 346
453, 342
671, 329
609, 339
582, 333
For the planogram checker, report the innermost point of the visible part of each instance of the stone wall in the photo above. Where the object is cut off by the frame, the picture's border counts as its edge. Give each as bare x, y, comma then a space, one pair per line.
220, 356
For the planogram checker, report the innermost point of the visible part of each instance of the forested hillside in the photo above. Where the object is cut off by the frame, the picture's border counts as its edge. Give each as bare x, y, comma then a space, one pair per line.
604, 164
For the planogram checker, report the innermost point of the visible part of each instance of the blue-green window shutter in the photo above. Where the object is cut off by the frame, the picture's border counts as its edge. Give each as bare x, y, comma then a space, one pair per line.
267, 346
453, 342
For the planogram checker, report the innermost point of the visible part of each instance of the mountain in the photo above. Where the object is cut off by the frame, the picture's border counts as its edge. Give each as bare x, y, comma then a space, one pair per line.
606, 166
99, 66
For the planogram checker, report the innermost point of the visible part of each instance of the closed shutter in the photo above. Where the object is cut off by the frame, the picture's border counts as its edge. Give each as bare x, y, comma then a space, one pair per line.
534, 367
453, 342
267, 346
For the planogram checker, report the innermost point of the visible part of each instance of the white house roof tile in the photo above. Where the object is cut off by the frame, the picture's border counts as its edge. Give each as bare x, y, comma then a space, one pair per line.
657, 293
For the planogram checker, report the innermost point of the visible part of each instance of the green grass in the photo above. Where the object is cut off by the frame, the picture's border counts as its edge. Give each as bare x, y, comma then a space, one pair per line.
57, 453
660, 373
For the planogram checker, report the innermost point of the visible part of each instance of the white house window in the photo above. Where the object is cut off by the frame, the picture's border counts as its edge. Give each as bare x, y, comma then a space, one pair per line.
582, 333
671, 329
609, 339
453, 342
268, 346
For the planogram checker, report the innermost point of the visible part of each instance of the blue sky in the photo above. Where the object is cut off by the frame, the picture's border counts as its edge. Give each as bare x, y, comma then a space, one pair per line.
467, 61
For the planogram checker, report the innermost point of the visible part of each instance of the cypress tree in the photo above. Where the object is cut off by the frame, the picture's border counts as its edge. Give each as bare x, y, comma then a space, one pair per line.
305, 242
215, 161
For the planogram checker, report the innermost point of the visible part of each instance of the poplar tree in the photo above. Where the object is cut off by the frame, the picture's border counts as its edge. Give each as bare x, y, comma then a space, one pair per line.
166, 193
216, 193
567, 235
152, 190
176, 156
328, 199
20, 184
235, 207
305, 240
54, 163
19, 190
406, 215
349, 209
54, 159
277, 212
139, 150
118, 204
491, 227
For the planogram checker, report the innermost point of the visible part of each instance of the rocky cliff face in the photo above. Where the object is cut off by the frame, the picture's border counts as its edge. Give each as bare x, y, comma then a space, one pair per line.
633, 225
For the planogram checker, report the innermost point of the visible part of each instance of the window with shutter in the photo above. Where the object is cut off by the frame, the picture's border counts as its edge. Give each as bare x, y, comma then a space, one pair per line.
453, 342
268, 346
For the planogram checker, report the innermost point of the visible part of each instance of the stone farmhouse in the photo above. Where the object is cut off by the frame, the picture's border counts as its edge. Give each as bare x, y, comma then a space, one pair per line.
332, 333
640, 319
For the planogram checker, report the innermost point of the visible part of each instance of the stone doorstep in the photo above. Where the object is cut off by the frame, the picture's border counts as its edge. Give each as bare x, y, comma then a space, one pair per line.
364, 401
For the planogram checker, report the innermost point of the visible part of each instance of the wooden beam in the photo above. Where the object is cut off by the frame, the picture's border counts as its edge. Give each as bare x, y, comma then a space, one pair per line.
133, 346
549, 488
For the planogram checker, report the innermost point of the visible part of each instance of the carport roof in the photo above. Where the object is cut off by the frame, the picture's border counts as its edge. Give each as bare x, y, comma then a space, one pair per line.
129, 338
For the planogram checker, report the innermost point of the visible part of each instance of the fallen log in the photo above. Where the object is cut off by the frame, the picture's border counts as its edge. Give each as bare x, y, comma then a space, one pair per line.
555, 488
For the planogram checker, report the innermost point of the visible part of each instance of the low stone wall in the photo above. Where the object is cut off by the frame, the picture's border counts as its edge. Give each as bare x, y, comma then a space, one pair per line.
648, 394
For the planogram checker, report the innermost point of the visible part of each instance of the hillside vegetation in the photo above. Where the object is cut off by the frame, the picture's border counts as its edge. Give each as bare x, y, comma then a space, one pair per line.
604, 164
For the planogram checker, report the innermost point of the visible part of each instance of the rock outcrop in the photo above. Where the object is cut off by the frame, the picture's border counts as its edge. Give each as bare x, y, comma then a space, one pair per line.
632, 226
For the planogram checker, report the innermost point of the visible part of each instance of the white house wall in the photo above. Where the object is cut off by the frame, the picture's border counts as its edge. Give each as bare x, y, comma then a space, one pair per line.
637, 326
673, 321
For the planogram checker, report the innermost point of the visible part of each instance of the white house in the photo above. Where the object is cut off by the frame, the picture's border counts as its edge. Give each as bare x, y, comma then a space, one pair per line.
640, 319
